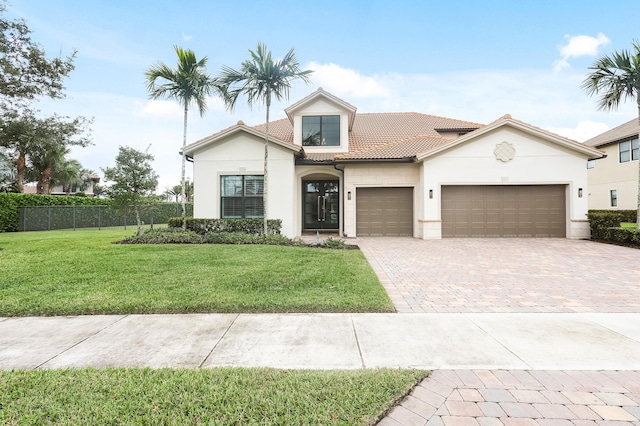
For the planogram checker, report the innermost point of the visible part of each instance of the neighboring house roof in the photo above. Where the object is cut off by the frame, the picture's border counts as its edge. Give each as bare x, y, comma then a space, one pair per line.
623, 131
507, 120
239, 127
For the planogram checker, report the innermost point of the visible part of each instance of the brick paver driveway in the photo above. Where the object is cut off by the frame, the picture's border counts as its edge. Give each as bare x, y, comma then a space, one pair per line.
512, 275
505, 275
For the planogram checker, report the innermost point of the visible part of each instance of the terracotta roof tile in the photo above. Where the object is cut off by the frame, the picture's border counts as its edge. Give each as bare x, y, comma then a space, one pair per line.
397, 150
406, 131
623, 131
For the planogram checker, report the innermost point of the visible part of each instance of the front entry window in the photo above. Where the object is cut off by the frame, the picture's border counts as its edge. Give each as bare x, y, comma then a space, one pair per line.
321, 130
241, 197
321, 208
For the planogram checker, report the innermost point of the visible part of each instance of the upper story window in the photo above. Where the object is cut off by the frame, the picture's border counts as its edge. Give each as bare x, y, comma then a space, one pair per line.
321, 130
591, 164
241, 196
629, 150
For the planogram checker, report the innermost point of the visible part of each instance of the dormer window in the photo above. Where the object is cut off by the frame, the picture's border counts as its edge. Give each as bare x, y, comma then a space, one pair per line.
321, 130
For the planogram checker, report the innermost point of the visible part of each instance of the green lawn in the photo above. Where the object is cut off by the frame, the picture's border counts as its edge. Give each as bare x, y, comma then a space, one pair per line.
222, 396
81, 272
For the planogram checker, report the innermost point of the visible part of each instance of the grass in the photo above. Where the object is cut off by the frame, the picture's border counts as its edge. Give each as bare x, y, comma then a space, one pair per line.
221, 396
81, 272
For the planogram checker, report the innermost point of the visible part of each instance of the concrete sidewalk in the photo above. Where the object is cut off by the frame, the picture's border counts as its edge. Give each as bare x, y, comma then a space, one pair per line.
553, 341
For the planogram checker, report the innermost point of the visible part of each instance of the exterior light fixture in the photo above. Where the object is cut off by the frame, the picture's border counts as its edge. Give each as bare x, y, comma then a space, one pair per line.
349, 195
579, 192
431, 193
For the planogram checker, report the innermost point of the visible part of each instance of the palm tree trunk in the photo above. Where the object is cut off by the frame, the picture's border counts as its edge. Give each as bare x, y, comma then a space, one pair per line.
184, 157
43, 181
265, 183
21, 165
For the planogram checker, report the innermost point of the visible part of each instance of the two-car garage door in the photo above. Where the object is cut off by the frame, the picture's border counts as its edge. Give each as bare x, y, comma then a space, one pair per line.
468, 211
504, 211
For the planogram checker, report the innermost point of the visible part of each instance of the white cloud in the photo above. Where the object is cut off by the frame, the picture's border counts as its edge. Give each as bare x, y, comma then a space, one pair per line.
160, 109
584, 131
347, 82
576, 46
186, 37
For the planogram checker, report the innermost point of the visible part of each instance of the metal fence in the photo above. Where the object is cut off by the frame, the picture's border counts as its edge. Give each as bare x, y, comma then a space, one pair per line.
46, 218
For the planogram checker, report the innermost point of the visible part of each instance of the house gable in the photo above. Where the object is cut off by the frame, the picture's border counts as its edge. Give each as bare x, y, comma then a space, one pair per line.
522, 128
321, 123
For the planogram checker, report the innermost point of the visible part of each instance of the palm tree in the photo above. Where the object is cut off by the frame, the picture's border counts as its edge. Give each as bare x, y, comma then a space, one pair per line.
67, 172
615, 78
188, 84
260, 78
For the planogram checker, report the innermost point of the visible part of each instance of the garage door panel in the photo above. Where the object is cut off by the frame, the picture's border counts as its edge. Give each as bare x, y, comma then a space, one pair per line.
503, 211
384, 211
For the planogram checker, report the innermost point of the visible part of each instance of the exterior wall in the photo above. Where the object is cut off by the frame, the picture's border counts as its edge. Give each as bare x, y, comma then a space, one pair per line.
609, 173
321, 107
536, 161
243, 154
377, 175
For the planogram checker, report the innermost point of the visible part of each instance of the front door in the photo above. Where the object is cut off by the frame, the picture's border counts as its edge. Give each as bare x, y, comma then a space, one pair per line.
321, 209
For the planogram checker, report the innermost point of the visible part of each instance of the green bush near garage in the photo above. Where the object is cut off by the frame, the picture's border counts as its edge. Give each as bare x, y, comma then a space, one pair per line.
614, 226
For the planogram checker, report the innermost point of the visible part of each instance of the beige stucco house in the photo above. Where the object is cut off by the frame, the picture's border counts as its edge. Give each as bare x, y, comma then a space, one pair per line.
333, 169
613, 180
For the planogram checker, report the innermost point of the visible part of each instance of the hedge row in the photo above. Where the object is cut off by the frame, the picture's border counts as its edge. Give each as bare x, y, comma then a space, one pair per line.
10, 204
605, 226
245, 226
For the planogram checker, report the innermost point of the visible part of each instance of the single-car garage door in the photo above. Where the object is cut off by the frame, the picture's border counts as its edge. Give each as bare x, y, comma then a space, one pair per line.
384, 212
504, 211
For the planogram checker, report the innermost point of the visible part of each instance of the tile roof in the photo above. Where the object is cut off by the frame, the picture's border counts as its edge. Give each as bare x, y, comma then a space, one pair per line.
407, 148
623, 131
382, 135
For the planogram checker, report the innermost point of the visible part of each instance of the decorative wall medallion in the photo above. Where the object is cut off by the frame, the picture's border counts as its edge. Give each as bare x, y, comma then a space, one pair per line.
504, 151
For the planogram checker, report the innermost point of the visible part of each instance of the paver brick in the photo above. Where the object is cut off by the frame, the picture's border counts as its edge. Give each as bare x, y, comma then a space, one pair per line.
510, 421
407, 417
529, 396
427, 395
489, 421
555, 411
584, 412
497, 395
554, 422
459, 421
461, 408
619, 399
608, 412
419, 407
518, 409
471, 395
585, 398
491, 409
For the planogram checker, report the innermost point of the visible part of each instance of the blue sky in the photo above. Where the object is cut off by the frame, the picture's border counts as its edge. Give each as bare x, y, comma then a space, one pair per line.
470, 60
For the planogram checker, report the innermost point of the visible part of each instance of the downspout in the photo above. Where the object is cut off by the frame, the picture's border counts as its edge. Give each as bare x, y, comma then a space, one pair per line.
341, 198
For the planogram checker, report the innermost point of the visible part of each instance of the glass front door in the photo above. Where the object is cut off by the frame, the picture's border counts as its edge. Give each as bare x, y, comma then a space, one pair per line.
321, 208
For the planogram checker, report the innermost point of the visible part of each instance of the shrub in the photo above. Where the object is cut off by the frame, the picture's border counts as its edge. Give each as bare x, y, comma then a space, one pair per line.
10, 205
243, 238
245, 226
164, 236
335, 243
616, 226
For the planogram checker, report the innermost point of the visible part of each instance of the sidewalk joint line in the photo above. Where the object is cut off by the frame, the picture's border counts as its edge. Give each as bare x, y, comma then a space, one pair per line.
529, 366
355, 333
81, 341
218, 342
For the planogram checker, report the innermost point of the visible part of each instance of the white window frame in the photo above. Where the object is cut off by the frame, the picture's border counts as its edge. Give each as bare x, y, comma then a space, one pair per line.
614, 198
